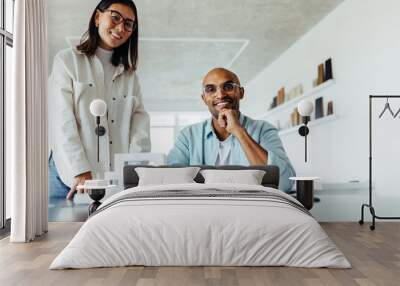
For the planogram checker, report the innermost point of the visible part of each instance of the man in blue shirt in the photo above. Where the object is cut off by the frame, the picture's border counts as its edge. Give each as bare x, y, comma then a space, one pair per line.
229, 137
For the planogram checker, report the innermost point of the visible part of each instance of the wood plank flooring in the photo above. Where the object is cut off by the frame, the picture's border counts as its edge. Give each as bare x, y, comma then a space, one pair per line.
375, 257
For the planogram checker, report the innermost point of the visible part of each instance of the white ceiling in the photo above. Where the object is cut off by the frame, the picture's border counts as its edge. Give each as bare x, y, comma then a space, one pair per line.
181, 40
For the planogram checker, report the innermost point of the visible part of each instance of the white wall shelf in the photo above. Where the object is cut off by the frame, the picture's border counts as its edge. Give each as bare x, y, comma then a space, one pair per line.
292, 102
312, 123
344, 186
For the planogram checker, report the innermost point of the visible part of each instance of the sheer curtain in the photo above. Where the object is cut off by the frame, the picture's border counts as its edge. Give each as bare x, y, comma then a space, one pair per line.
28, 122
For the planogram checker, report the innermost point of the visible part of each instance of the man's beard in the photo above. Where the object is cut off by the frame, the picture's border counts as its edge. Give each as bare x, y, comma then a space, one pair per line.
215, 113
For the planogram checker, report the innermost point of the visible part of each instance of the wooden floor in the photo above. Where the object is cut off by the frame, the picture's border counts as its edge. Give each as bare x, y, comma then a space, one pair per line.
375, 257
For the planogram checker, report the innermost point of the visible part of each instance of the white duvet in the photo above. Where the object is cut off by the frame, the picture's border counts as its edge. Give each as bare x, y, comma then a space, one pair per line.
200, 231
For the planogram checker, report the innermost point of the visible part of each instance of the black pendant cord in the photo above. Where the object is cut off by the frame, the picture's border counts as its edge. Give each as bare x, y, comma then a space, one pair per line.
98, 145
98, 138
305, 151
370, 205
303, 131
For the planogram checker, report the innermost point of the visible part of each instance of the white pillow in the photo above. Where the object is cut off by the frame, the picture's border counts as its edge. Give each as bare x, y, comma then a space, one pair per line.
248, 177
166, 176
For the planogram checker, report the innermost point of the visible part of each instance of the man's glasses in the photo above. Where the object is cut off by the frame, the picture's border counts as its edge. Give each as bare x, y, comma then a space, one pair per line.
117, 18
227, 87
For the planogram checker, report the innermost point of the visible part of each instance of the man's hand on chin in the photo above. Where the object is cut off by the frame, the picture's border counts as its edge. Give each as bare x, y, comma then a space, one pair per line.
229, 119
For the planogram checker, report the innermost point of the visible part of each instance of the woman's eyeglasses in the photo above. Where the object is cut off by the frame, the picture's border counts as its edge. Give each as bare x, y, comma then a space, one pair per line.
228, 87
117, 18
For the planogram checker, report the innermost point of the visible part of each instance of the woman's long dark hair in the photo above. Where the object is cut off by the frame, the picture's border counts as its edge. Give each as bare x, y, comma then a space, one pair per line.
127, 53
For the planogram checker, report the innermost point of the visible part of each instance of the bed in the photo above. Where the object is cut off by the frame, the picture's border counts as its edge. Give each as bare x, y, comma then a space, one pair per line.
201, 224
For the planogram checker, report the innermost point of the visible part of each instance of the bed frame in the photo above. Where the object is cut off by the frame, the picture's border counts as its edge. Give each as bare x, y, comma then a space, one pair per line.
270, 179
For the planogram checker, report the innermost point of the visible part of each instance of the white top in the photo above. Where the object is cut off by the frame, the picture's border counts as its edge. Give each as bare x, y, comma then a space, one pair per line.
303, 178
89, 187
105, 58
74, 82
224, 152
109, 70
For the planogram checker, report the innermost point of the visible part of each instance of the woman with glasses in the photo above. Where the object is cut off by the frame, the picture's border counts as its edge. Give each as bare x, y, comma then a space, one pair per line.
102, 66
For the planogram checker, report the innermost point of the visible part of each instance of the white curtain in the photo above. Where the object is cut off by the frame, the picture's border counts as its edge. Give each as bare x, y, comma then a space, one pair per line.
28, 122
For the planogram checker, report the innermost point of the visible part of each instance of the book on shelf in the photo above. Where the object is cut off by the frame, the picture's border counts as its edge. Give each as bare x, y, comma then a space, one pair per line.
319, 107
274, 101
281, 96
295, 117
328, 70
320, 78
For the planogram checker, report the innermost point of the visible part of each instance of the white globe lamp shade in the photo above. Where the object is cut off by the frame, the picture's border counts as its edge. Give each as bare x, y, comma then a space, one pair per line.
305, 107
98, 107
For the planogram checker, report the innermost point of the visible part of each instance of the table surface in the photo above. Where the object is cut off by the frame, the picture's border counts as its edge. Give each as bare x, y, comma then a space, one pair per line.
303, 178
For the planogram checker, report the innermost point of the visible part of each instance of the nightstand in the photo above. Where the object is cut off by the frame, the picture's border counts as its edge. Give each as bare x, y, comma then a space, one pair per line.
96, 195
305, 190
96, 191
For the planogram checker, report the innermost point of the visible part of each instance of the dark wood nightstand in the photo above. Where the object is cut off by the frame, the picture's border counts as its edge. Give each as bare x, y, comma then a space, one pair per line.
305, 190
96, 193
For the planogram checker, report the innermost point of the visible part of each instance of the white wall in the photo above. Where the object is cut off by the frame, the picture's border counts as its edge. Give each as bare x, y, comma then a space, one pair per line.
362, 38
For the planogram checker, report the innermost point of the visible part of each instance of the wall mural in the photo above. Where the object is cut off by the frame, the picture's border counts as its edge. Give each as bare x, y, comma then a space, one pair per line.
114, 63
